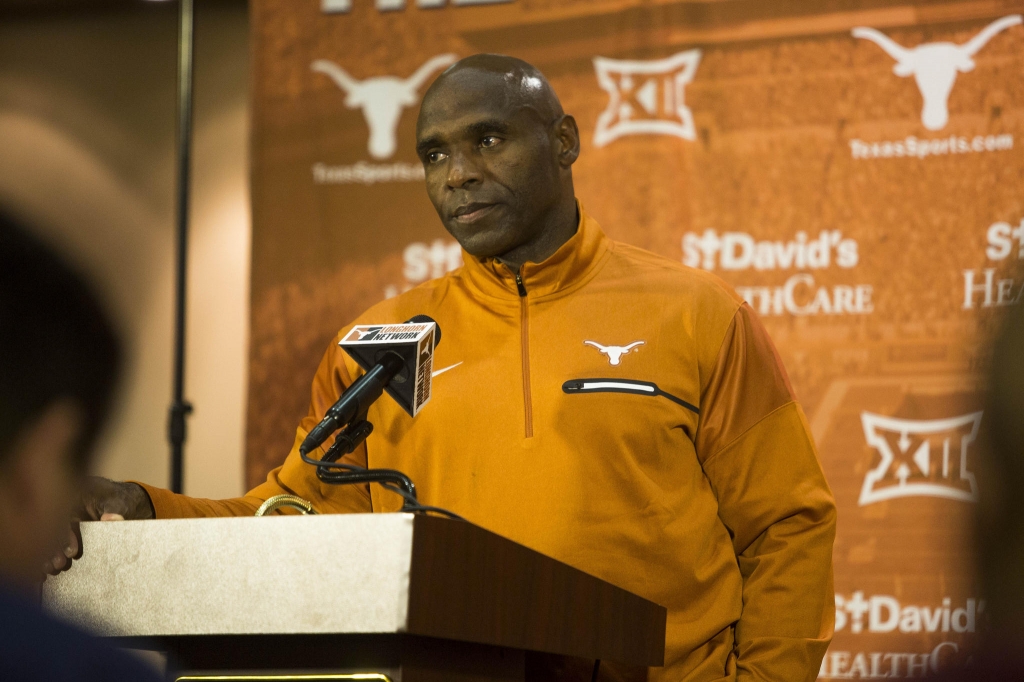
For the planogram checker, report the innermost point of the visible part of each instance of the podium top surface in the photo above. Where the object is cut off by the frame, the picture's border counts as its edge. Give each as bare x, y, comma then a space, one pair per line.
347, 574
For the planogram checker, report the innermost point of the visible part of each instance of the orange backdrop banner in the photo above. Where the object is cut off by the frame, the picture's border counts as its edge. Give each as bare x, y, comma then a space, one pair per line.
853, 168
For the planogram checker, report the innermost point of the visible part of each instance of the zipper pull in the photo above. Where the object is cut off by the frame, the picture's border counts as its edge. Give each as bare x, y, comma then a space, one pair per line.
520, 286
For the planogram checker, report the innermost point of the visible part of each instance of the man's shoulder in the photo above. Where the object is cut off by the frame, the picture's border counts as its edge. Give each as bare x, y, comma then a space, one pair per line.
420, 300
36, 646
652, 272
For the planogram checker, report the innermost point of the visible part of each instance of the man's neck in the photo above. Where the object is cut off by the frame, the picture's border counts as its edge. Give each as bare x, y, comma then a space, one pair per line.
560, 229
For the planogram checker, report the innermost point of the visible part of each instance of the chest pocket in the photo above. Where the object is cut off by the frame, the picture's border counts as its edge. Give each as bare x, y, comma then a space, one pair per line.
643, 388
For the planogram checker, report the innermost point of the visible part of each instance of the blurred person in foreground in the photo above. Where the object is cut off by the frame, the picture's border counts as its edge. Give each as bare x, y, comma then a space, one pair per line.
999, 523
59, 363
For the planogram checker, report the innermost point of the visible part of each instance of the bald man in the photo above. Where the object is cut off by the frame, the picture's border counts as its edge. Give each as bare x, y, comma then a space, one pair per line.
606, 406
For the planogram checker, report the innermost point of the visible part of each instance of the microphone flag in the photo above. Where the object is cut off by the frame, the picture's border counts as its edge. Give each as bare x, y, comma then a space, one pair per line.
413, 341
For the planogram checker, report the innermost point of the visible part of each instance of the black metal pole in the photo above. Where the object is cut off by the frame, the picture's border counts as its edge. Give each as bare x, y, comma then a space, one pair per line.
180, 408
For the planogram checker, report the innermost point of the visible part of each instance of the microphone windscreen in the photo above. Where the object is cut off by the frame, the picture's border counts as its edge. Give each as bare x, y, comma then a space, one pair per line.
423, 319
367, 344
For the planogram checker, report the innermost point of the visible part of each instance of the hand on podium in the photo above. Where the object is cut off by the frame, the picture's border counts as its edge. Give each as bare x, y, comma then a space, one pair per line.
102, 500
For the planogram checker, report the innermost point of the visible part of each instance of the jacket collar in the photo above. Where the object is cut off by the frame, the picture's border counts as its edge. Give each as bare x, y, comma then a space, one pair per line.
572, 265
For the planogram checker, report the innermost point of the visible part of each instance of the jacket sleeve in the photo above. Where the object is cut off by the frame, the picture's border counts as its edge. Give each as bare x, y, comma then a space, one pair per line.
757, 452
294, 477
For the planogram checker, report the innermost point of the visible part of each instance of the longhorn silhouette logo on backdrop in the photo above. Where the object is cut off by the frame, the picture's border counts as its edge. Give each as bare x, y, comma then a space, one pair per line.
920, 458
646, 97
935, 66
614, 353
382, 98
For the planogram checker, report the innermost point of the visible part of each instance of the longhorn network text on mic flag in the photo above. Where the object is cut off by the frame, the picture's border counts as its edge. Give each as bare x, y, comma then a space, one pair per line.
398, 358
414, 341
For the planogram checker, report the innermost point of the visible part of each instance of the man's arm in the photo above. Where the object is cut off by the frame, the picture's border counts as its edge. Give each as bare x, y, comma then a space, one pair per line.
294, 477
107, 500
756, 449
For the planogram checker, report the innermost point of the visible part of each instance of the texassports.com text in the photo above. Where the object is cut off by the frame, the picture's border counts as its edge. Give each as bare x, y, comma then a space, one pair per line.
916, 147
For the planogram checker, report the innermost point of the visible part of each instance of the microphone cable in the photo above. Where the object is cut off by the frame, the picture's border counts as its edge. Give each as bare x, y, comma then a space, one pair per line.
389, 479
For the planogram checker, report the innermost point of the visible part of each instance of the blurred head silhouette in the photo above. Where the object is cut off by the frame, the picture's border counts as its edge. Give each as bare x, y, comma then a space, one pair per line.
1000, 523
59, 364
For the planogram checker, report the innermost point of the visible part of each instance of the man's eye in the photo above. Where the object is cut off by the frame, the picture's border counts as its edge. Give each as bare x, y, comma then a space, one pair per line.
435, 157
490, 141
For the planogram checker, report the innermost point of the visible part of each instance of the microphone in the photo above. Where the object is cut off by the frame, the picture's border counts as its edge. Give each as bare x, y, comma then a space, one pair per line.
398, 358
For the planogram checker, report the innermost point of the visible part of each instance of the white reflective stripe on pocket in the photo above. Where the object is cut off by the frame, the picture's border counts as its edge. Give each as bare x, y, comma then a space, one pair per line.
622, 386
607, 385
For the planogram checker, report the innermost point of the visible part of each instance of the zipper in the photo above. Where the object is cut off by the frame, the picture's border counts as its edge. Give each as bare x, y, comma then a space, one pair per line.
524, 326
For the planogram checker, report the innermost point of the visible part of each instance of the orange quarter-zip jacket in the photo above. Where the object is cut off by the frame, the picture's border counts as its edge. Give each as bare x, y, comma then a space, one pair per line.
622, 413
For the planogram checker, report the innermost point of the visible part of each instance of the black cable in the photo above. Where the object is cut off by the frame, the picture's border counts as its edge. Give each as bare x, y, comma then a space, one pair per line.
362, 475
597, 667
427, 509
413, 505
390, 479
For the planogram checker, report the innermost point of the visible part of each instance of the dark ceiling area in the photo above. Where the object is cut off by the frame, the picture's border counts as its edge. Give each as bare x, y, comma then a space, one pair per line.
47, 7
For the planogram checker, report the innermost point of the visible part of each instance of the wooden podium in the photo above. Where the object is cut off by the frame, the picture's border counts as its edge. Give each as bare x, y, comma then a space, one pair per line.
396, 597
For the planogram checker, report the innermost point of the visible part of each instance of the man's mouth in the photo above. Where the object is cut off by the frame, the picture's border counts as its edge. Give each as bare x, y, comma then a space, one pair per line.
470, 213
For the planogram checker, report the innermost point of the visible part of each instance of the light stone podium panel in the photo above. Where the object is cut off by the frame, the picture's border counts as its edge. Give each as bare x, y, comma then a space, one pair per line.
409, 597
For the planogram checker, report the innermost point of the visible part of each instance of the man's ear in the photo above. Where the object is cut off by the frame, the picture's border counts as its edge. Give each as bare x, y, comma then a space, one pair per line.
568, 134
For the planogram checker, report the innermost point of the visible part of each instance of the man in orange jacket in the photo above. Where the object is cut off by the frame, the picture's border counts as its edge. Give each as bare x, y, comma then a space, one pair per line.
603, 405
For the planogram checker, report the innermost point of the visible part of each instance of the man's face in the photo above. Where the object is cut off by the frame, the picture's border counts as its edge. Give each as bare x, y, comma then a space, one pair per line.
491, 165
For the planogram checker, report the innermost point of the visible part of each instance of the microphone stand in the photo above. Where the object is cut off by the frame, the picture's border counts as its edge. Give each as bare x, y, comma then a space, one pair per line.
181, 408
333, 472
349, 414
349, 474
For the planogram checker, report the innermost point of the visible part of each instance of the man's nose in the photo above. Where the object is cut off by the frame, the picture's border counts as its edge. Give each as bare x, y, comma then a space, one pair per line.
463, 170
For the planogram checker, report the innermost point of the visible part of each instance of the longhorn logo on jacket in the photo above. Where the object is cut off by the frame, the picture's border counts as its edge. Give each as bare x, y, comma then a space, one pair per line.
382, 98
614, 353
935, 66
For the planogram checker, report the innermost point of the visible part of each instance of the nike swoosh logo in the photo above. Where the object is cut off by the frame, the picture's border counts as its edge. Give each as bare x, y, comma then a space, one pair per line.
444, 369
